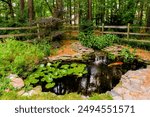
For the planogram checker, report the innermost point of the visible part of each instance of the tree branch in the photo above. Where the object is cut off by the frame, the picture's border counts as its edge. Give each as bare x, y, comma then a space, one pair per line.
5, 1
48, 6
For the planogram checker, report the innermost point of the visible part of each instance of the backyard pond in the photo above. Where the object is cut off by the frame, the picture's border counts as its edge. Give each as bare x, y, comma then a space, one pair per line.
97, 75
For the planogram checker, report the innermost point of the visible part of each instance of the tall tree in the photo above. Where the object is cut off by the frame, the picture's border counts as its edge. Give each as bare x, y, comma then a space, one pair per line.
70, 11
22, 5
31, 13
90, 10
148, 17
59, 11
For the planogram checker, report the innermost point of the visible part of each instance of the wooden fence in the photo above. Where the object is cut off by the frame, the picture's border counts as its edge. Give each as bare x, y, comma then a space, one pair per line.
102, 30
21, 34
142, 30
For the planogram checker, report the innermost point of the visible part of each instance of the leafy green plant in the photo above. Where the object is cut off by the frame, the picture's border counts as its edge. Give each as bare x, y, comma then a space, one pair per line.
86, 26
127, 55
135, 43
20, 57
5, 85
46, 74
98, 42
111, 56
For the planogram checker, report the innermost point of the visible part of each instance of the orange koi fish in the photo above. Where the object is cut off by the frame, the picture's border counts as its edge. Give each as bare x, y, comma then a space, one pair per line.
115, 63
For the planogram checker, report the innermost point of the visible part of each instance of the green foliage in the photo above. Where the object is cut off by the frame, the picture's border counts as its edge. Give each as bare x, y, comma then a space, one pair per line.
42, 96
103, 96
111, 56
45, 74
86, 39
135, 43
20, 57
12, 23
105, 40
50, 96
127, 55
86, 26
5, 85
98, 42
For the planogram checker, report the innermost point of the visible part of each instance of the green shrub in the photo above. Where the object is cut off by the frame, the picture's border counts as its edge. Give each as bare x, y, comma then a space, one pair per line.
5, 85
86, 39
98, 42
133, 43
20, 57
45, 74
86, 26
127, 55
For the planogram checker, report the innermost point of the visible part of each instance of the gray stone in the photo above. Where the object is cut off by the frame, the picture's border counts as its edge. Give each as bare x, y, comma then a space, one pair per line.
83, 54
119, 90
148, 66
136, 81
11, 76
117, 98
35, 91
113, 93
17, 83
127, 96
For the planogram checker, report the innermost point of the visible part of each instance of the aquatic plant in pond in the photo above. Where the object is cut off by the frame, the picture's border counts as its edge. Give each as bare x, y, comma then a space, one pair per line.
46, 74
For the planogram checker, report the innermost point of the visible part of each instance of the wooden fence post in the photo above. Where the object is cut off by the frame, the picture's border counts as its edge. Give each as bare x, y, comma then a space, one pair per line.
38, 30
102, 28
128, 31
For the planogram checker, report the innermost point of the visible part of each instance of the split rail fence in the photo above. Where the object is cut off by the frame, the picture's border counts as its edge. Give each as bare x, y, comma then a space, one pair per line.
103, 30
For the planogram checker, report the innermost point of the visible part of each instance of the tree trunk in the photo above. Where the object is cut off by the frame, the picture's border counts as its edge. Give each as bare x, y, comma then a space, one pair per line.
22, 9
141, 14
74, 10
90, 10
58, 10
70, 9
148, 18
31, 12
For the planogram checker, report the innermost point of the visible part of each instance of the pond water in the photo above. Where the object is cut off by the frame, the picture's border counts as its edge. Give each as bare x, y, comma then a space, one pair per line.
102, 76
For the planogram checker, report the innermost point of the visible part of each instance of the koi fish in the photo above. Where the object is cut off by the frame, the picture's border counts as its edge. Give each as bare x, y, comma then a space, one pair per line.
115, 63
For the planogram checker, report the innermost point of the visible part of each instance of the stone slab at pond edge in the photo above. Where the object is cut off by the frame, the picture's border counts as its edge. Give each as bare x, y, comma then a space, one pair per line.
82, 53
134, 85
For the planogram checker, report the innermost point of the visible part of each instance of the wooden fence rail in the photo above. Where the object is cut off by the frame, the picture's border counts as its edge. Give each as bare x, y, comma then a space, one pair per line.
21, 34
103, 30
100, 28
18, 28
127, 33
